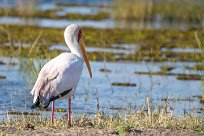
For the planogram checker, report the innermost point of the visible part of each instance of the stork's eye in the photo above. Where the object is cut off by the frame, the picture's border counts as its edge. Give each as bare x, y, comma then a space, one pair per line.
79, 35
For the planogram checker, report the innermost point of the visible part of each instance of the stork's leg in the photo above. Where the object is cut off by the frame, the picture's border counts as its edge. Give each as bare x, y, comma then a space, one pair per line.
69, 111
52, 114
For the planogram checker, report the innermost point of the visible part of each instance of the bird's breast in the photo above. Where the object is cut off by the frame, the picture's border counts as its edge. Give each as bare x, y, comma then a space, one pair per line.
70, 73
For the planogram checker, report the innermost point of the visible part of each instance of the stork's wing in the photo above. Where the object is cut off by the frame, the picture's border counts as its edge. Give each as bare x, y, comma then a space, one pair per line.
57, 78
46, 83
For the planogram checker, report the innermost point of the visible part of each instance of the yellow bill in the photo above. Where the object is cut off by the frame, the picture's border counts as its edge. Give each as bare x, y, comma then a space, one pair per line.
82, 46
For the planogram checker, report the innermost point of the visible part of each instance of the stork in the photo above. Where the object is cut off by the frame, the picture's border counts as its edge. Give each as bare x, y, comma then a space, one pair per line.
59, 77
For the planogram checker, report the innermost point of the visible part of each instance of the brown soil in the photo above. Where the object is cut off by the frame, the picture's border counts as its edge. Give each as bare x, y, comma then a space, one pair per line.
96, 132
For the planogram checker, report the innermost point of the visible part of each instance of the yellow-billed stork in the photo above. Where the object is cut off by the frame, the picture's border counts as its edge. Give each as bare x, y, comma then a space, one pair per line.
59, 77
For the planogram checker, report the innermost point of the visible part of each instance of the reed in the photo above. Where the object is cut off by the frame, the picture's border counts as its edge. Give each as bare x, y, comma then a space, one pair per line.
171, 10
133, 9
200, 57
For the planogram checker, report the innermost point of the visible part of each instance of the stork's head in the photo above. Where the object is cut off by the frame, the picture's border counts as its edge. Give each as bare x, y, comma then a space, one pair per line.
73, 38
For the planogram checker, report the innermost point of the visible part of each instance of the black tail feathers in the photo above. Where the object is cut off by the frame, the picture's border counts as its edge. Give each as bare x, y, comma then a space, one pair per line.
36, 104
43, 103
39, 104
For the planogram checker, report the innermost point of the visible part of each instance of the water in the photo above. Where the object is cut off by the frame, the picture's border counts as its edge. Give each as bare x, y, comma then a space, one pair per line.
157, 23
89, 2
53, 23
102, 24
51, 4
186, 50
125, 50
80, 10
14, 91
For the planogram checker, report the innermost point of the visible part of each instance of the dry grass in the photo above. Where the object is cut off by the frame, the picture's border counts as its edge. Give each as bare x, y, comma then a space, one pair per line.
122, 123
126, 122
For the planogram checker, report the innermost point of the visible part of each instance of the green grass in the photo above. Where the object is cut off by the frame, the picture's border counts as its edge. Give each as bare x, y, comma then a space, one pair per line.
155, 39
150, 42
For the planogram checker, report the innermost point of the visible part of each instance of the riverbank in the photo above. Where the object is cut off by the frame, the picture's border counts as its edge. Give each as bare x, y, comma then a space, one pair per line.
144, 123
98, 132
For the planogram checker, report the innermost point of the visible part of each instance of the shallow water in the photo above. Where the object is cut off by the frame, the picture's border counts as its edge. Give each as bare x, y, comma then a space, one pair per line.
14, 91
80, 10
126, 50
53, 23
157, 23
51, 4
186, 50
102, 24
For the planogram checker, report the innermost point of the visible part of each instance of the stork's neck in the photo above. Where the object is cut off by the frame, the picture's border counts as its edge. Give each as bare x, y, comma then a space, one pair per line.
74, 48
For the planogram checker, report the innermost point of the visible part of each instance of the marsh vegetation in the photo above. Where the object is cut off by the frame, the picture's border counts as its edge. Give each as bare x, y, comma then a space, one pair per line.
148, 77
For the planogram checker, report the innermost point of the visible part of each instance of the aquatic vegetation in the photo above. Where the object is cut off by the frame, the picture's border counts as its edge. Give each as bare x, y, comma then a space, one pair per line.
166, 68
133, 9
174, 10
200, 56
147, 39
51, 14
199, 67
149, 45
118, 108
189, 77
150, 42
148, 56
171, 10
123, 84
179, 76
162, 73
84, 4
23, 113
105, 70
189, 99
7, 63
201, 98
2, 77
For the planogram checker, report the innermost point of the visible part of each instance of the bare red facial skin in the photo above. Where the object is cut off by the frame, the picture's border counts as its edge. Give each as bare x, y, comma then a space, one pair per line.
79, 35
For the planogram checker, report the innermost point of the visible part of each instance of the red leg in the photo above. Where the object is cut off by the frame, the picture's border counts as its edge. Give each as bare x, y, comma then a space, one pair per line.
69, 111
52, 114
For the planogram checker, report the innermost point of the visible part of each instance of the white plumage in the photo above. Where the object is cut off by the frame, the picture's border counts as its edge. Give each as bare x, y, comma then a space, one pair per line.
59, 77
